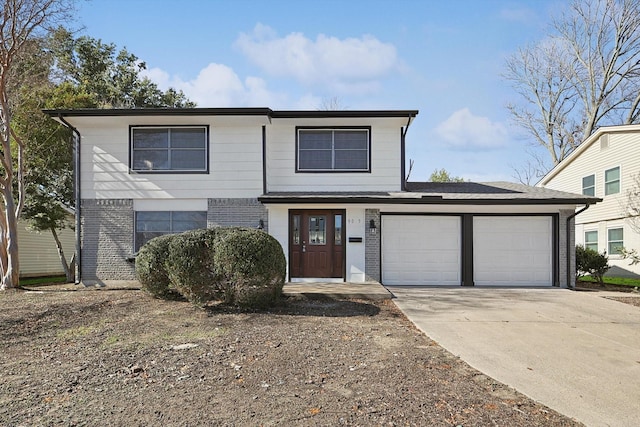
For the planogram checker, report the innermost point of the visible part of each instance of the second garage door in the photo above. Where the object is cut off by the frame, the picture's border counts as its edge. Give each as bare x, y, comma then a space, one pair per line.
421, 250
512, 251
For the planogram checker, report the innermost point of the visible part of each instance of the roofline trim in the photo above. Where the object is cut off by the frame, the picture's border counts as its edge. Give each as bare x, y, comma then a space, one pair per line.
111, 112
114, 112
428, 200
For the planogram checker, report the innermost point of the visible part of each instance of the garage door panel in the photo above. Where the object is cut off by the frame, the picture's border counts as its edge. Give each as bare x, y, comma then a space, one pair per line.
513, 251
421, 250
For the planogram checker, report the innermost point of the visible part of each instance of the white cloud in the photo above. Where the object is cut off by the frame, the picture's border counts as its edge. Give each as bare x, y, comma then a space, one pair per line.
351, 65
465, 131
218, 85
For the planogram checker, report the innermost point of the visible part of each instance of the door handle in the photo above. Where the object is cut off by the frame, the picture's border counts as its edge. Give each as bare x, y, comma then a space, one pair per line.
304, 248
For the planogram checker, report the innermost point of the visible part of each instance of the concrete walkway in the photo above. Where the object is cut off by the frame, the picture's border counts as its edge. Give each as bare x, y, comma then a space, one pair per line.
366, 291
576, 352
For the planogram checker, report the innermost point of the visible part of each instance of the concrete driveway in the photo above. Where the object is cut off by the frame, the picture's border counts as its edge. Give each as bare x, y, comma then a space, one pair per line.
576, 352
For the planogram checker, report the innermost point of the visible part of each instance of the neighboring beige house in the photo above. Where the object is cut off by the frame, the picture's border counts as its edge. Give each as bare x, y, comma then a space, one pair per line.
38, 252
328, 185
604, 165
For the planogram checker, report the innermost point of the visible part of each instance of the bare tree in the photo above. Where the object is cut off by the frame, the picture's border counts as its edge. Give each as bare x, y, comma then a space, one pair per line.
332, 104
604, 39
21, 22
540, 74
532, 171
584, 75
631, 211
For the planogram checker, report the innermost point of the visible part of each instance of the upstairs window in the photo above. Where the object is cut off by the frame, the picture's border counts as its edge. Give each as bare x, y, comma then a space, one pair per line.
150, 224
612, 181
170, 149
333, 150
589, 185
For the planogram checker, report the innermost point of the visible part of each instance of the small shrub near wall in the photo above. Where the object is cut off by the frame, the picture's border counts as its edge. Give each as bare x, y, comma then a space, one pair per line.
150, 267
591, 262
251, 267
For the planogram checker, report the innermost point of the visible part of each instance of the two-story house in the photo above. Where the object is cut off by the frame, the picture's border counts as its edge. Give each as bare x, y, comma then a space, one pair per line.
605, 165
328, 185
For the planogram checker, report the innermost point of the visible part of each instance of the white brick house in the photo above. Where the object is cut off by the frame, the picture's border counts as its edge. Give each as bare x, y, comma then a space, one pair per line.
604, 165
329, 185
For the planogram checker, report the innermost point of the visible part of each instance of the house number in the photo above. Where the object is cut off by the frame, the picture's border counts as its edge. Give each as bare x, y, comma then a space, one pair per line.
355, 221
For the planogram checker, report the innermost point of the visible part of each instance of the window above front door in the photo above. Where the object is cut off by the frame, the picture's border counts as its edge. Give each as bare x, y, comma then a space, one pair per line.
333, 150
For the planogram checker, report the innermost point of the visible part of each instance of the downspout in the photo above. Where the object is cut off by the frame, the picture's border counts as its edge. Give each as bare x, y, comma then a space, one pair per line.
403, 134
264, 160
76, 158
568, 230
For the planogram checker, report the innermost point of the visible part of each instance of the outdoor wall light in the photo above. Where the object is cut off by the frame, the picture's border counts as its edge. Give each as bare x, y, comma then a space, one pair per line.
261, 225
372, 227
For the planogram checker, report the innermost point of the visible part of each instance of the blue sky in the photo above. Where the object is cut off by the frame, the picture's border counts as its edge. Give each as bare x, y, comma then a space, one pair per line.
444, 58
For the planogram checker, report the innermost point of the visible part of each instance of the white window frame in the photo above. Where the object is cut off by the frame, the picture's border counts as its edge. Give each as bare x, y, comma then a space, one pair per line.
169, 149
590, 187
609, 241
619, 181
588, 243
333, 169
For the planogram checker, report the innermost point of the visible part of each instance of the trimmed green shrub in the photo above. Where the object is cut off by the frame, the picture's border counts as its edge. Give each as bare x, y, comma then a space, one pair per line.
251, 267
190, 265
150, 268
591, 262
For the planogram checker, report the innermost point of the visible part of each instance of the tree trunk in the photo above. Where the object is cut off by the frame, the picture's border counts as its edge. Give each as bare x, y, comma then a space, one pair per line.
68, 270
11, 276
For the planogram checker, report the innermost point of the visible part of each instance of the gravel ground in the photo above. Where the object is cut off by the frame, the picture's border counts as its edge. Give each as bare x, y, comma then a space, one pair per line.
123, 358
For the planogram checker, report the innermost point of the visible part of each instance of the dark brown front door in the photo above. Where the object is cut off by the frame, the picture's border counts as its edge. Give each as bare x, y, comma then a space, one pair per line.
316, 243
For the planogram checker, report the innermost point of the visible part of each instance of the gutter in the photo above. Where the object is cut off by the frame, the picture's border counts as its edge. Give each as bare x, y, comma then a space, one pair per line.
403, 134
568, 230
76, 158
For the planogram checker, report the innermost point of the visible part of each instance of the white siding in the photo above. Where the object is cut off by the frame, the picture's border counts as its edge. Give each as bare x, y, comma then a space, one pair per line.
235, 162
385, 158
623, 152
38, 252
619, 265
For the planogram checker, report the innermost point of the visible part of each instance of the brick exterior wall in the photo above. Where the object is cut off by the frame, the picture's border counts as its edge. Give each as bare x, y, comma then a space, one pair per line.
107, 239
567, 246
108, 228
372, 246
236, 212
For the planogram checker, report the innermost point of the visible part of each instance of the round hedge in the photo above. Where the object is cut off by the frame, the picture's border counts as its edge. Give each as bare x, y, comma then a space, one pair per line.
150, 268
190, 265
250, 265
242, 266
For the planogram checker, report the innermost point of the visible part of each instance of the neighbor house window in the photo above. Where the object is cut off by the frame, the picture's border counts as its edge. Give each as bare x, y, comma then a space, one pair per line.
612, 181
169, 149
589, 185
591, 240
329, 150
615, 241
150, 224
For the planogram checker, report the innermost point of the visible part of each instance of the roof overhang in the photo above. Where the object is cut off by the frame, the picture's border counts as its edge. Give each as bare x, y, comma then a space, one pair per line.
407, 198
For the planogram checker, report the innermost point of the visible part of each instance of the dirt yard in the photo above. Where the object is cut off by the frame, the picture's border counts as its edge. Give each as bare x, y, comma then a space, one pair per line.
123, 358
